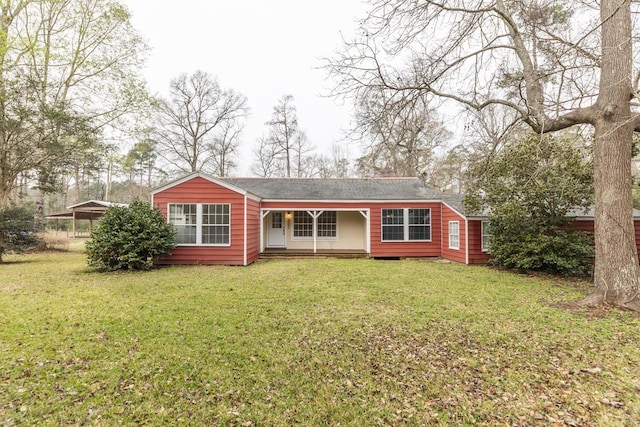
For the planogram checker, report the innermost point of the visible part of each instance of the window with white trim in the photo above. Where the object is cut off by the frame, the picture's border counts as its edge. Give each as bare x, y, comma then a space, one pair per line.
201, 224
392, 225
419, 224
184, 220
406, 224
215, 224
302, 224
486, 235
454, 235
326, 225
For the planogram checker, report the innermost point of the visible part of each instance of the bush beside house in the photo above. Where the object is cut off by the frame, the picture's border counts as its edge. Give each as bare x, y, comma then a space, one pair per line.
130, 238
529, 190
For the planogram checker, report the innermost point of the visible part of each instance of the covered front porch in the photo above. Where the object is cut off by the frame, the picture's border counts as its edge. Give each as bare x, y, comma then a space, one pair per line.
314, 231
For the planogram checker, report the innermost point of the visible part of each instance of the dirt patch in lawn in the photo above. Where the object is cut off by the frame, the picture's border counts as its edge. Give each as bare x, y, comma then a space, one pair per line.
575, 308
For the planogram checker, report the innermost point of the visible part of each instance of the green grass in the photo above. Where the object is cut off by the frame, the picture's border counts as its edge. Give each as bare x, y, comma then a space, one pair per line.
308, 342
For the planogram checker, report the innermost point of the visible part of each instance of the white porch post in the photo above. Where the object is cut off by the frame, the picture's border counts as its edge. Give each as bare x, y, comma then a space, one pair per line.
263, 215
314, 231
367, 233
244, 237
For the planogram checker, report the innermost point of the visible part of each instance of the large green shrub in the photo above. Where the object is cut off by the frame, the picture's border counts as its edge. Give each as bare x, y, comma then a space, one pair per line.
528, 190
17, 230
521, 242
130, 238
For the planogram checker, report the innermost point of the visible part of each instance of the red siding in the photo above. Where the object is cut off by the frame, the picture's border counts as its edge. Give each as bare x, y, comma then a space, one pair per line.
253, 230
200, 190
405, 249
476, 255
588, 225
457, 255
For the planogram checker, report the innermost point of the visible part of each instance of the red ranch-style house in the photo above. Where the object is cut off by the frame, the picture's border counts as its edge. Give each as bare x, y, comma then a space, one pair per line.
235, 221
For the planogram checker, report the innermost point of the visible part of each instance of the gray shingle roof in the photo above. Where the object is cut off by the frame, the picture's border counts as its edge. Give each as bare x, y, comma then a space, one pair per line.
336, 189
590, 212
456, 201
576, 212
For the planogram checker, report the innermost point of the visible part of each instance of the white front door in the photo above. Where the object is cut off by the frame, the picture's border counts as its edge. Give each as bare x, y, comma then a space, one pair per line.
276, 234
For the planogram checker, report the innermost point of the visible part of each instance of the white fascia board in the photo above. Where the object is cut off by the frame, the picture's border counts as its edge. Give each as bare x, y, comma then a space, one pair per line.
348, 201
477, 218
453, 209
86, 202
98, 202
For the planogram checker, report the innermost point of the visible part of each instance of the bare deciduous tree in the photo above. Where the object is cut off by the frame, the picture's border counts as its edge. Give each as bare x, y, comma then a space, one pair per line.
487, 130
267, 162
225, 147
199, 125
286, 145
340, 161
446, 171
401, 134
553, 66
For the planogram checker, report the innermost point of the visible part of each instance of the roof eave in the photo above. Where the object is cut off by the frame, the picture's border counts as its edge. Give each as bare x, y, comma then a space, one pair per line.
351, 201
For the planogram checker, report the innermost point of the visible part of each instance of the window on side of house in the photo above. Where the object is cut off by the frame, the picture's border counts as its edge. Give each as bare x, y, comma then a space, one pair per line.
406, 224
184, 219
419, 224
201, 224
454, 235
215, 224
486, 235
392, 225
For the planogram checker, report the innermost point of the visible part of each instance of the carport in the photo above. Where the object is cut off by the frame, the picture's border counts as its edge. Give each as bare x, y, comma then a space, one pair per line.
90, 210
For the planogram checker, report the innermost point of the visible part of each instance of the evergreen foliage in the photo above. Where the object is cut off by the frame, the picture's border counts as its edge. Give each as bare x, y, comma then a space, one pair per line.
528, 191
18, 231
130, 238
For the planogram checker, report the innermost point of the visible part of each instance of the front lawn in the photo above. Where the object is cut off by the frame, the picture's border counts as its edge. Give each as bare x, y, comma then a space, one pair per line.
308, 342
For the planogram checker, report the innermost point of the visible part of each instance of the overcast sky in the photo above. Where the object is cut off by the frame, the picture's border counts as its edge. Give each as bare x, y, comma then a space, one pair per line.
262, 49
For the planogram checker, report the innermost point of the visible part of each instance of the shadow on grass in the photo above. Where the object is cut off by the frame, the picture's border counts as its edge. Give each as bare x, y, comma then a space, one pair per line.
14, 262
91, 271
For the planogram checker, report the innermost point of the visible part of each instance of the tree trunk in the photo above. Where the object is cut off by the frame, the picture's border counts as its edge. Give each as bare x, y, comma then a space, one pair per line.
107, 191
39, 217
617, 275
77, 186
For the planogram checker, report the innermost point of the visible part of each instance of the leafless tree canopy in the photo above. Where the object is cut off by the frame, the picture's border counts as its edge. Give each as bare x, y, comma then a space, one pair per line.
554, 64
283, 151
400, 134
199, 125
536, 57
267, 162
